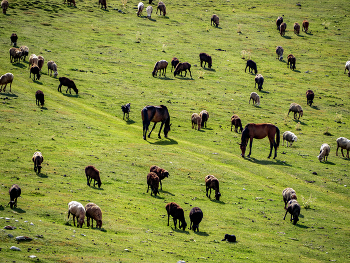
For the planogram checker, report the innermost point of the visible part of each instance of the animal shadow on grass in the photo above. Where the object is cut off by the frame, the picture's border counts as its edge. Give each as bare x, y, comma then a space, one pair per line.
41, 175
297, 71
287, 37
19, 210
38, 82
163, 142
263, 91
315, 107
268, 161
199, 233
166, 192
165, 78
328, 163
43, 108
153, 20
19, 65
130, 121
9, 95
70, 95
217, 201
210, 69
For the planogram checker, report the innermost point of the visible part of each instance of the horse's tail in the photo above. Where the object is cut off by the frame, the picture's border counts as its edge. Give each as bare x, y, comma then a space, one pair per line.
277, 136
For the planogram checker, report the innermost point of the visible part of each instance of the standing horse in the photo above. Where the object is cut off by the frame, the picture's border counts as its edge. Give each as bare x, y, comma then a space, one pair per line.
155, 114
260, 131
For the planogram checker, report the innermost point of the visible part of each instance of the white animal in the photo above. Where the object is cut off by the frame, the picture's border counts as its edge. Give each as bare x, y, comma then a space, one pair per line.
5, 79
140, 7
289, 137
347, 67
149, 11
343, 143
51, 65
255, 97
77, 210
324, 152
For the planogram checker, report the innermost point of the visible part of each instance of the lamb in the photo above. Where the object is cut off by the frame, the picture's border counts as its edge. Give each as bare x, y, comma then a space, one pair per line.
103, 4
236, 121
255, 98
52, 66
4, 6
347, 67
289, 137
212, 182
288, 194
15, 192
162, 173
196, 121
305, 26
37, 160
279, 21
140, 7
153, 182
229, 238
149, 11
92, 173
252, 66
15, 54
182, 66
39, 98
174, 63
25, 52
33, 59
78, 211
41, 61
259, 79
324, 152
294, 210
35, 70
279, 52
296, 28
162, 8
343, 143
283, 28
126, 110
94, 212
214, 20
14, 39
206, 58
161, 66
196, 216
309, 97
177, 213
296, 108
291, 61
204, 116
69, 83
5, 79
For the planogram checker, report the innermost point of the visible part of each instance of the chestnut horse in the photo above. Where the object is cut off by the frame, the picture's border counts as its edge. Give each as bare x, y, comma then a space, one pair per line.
260, 131
155, 114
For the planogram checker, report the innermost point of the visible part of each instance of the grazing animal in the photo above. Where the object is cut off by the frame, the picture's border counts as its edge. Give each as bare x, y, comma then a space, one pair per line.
155, 114
15, 54
236, 121
229, 238
260, 131
41, 61
35, 70
162, 173
182, 66
259, 79
289, 137
4, 6
162, 8
296, 28
347, 67
252, 66
177, 213
94, 212
196, 121
150, 2
214, 20
305, 26
279, 21
310, 97
14, 39
78, 211
294, 209
153, 182
140, 7
343, 143
196, 216
51, 65
92, 173
174, 63
15, 192
279, 52
5, 79
204, 116
70, 2
37, 160
283, 28
67, 82
206, 59
288, 194
149, 11
291, 61
296, 108
39, 98
255, 98
161, 66
25, 52
211, 182
33, 59
324, 152
126, 110
103, 4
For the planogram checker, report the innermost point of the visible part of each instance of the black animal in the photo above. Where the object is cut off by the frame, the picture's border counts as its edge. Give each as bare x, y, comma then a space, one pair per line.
15, 191
196, 216
35, 70
177, 213
294, 209
252, 66
279, 21
310, 97
229, 238
126, 110
67, 82
174, 63
39, 96
291, 61
206, 59
92, 173
155, 114
14, 38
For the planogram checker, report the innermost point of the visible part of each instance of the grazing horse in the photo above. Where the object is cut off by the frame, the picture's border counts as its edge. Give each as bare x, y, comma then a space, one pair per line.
260, 131
155, 114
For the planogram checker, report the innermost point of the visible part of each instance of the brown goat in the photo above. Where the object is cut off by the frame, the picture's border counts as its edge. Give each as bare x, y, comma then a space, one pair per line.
162, 8
205, 117
182, 66
309, 97
162, 173
153, 182
283, 28
296, 28
214, 20
291, 61
212, 182
92, 173
196, 121
305, 26
174, 63
177, 213
279, 21
236, 121
67, 82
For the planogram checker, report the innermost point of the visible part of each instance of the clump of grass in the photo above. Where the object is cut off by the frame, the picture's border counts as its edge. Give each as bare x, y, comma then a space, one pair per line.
307, 202
207, 28
124, 2
138, 37
233, 10
338, 118
298, 126
326, 24
163, 48
201, 74
245, 54
239, 31
327, 132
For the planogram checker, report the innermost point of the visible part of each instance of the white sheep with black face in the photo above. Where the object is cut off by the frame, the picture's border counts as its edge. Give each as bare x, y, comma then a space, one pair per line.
289, 137
324, 152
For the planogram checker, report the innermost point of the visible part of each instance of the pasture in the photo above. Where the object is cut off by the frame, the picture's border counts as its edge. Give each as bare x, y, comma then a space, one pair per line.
110, 54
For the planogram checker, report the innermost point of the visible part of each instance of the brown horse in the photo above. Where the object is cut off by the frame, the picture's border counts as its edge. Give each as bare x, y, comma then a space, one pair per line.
260, 131
155, 114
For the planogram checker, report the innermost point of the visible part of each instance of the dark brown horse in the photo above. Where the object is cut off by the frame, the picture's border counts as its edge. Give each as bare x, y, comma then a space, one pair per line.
155, 114
260, 131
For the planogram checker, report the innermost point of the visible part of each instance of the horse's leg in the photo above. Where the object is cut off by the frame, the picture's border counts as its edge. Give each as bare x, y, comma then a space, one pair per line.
250, 147
161, 126
271, 147
152, 129
145, 129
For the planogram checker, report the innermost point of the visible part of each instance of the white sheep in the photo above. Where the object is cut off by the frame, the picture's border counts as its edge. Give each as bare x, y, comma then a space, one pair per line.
288, 194
296, 108
255, 97
279, 52
324, 152
15, 54
140, 7
289, 137
149, 11
5, 79
25, 52
37, 160
78, 211
33, 59
196, 120
347, 67
51, 65
343, 143
94, 212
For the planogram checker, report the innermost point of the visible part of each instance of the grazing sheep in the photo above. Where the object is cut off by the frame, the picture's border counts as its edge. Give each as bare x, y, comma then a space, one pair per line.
196, 121
15, 192
289, 137
309, 97
291, 61
204, 116
78, 211
33, 59
92, 173
37, 160
279, 52
177, 213
51, 65
279, 21
294, 209
259, 79
214, 20
343, 143
4, 6
69, 83
162, 173
324, 152
296, 108
126, 110
196, 216
153, 182
305, 26
174, 63
347, 67
15, 54
149, 11
162, 8
236, 121
296, 28
206, 58
150, 2
5, 79
39, 98
14, 39
70, 2
35, 70
255, 98
94, 212
288, 194
160, 65
252, 66
182, 66
140, 7
283, 28
212, 182
41, 61
103, 4
25, 52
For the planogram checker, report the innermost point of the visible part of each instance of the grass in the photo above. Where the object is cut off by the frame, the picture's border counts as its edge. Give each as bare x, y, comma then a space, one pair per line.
110, 55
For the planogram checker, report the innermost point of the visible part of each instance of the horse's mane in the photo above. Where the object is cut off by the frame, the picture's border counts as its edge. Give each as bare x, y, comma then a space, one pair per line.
245, 135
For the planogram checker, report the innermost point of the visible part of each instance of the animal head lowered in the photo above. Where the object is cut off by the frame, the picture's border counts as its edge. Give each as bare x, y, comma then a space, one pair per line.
166, 129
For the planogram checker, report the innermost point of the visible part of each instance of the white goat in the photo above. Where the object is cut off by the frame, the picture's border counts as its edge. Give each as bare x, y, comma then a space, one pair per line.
289, 137
343, 143
324, 152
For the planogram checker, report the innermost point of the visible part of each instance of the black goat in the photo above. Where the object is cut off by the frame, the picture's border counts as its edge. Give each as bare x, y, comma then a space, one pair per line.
252, 66
126, 110
39, 96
